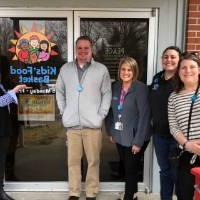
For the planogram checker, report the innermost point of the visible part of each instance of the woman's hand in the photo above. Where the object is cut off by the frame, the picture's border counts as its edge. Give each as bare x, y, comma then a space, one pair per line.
17, 88
193, 146
112, 140
135, 149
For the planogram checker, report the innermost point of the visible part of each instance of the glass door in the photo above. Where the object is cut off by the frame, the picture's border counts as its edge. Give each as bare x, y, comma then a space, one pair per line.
34, 45
117, 34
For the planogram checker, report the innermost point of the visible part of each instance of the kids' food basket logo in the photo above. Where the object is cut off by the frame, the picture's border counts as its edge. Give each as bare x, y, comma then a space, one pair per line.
32, 47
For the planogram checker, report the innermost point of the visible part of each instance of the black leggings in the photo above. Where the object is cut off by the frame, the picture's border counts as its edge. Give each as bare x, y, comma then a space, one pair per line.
131, 164
4, 143
185, 180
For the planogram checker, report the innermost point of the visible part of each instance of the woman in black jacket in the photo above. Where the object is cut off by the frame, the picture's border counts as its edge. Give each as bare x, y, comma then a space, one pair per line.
164, 143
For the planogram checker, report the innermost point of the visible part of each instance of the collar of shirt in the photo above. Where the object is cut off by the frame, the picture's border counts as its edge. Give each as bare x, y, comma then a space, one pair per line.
82, 70
85, 66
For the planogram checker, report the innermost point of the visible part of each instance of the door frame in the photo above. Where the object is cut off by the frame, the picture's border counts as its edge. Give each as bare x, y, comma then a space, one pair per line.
44, 13
152, 15
73, 24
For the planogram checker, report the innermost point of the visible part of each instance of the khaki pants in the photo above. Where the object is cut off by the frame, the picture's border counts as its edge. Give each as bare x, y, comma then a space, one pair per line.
90, 141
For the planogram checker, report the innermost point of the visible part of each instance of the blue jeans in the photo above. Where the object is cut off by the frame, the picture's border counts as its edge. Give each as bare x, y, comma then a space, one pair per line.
163, 147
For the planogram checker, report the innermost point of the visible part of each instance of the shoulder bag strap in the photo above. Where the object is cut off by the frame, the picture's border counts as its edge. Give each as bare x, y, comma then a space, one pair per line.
194, 97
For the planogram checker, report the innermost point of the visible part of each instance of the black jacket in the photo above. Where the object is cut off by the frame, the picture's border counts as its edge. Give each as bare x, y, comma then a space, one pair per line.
5, 123
160, 89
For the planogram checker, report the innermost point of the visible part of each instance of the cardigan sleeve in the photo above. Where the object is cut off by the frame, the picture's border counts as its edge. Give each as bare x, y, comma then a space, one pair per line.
106, 95
60, 93
8, 98
173, 124
143, 126
109, 122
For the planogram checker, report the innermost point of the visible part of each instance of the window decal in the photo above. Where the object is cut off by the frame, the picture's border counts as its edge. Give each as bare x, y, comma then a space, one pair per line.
32, 56
32, 47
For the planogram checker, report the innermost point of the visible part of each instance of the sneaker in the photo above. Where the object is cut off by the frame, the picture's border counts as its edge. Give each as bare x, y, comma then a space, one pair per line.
90, 198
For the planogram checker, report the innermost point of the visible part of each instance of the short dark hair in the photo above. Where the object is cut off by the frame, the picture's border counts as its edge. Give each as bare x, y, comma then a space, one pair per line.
185, 56
175, 48
84, 37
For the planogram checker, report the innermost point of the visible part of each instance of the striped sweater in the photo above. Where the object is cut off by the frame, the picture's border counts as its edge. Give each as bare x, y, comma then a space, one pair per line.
178, 114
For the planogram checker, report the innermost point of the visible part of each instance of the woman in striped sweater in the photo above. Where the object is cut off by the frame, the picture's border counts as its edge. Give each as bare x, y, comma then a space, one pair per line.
184, 130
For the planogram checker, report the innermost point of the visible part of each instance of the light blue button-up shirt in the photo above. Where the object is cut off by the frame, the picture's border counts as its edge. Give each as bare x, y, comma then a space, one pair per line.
8, 98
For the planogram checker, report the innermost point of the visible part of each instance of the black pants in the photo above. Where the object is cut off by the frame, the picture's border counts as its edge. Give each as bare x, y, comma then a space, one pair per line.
185, 180
4, 143
131, 164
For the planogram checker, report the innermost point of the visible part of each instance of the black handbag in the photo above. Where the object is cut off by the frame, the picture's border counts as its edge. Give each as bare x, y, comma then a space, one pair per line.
174, 156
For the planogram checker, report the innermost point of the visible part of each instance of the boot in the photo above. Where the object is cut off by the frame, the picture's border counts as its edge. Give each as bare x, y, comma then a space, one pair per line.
4, 196
10, 175
10, 168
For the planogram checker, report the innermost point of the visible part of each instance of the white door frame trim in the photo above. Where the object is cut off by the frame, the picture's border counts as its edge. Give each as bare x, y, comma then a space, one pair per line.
151, 68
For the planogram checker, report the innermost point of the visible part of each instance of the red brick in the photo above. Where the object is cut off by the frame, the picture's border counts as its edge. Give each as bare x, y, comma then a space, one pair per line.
192, 34
198, 22
194, 14
193, 27
193, 7
194, 40
190, 47
198, 34
198, 47
192, 21
194, 2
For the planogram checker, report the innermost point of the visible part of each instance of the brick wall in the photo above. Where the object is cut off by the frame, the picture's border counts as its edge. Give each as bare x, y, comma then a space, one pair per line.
193, 26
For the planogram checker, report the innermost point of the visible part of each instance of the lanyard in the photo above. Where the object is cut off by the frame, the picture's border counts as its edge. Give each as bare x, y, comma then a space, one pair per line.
79, 87
194, 98
121, 100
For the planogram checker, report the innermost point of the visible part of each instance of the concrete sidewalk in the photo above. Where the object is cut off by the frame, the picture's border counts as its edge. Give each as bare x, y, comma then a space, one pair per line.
64, 196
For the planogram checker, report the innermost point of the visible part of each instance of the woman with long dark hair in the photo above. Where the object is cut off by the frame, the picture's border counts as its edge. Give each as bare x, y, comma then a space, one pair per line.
165, 145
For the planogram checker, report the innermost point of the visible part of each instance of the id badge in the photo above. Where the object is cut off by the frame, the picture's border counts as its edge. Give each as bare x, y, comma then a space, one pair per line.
119, 126
79, 88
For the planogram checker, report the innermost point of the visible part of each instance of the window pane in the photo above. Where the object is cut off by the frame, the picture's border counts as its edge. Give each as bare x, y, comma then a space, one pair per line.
114, 38
33, 50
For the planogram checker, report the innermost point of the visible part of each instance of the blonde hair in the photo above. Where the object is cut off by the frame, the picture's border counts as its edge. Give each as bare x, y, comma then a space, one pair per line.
132, 63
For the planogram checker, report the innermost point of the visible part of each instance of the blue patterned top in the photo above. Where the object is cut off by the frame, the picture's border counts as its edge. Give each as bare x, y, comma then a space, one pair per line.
8, 98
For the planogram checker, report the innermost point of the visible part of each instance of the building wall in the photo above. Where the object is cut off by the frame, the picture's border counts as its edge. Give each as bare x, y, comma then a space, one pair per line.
193, 26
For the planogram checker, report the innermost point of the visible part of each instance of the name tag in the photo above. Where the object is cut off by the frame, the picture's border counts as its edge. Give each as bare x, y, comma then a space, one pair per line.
118, 126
